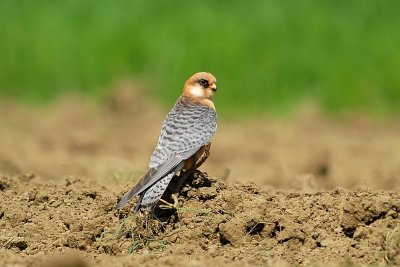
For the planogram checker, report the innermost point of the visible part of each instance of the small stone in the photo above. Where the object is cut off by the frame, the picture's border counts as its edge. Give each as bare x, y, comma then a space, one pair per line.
392, 214
154, 245
360, 233
338, 230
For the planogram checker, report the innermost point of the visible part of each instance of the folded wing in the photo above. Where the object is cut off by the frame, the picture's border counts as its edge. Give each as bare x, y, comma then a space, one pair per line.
185, 130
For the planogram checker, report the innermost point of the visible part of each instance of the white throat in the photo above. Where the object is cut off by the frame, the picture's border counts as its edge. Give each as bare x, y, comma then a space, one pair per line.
197, 90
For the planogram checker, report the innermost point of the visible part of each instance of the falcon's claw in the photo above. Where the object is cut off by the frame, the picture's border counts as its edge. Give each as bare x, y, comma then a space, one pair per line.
167, 205
204, 156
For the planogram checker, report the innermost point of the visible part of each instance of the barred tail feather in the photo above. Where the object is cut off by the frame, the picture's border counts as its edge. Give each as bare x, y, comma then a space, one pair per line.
151, 196
151, 178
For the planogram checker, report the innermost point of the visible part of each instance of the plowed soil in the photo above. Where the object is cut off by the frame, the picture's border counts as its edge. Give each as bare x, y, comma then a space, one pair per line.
305, 191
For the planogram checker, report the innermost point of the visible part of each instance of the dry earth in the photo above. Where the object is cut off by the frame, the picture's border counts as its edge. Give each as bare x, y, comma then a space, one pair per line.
304, 191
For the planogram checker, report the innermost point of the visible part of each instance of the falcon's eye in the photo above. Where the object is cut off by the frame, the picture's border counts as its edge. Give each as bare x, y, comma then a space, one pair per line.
203, 82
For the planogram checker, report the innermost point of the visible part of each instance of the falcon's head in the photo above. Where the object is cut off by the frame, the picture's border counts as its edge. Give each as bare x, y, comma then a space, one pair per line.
201, 85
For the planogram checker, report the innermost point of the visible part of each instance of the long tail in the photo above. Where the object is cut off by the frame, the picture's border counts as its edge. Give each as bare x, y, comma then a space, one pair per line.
141, 186
152, 195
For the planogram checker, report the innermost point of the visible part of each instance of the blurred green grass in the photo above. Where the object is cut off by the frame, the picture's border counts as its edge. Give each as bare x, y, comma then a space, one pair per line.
268, 56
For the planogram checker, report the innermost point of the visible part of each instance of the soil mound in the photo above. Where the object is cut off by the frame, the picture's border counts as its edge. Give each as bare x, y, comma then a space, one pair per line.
214, 223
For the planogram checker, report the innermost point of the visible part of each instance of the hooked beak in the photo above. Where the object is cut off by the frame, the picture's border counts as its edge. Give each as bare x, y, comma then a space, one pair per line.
213, 87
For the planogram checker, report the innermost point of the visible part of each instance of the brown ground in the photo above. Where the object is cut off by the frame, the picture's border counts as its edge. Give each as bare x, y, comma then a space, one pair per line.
63, 168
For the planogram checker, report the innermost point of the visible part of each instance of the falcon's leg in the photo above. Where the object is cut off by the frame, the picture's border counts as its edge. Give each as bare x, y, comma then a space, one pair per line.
167, 205
204, 156
183, 178
178, 182
175, 187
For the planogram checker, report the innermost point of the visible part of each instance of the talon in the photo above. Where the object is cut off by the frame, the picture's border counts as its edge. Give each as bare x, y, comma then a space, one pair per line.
176, 201
167, 205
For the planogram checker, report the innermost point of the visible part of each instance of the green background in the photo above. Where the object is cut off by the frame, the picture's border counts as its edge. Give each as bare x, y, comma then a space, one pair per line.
268, 56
